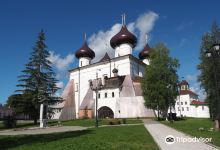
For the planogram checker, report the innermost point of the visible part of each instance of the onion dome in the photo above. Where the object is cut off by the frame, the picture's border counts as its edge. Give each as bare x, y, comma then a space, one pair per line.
145, 52
123, 36
115, 70
85, 51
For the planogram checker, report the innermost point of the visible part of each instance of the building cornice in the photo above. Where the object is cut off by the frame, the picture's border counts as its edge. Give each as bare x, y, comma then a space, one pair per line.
110, 60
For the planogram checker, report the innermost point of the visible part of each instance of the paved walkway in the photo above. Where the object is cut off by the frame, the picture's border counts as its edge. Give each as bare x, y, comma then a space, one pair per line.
159, 132
38, 130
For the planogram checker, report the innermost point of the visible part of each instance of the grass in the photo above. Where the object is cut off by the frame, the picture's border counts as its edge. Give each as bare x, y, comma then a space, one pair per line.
191, 126
76, 122
91, 122
106, 138
20, 124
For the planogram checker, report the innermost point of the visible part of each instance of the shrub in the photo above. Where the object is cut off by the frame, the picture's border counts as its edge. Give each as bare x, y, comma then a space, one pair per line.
124, 121
161, 119
9, 122
114, 122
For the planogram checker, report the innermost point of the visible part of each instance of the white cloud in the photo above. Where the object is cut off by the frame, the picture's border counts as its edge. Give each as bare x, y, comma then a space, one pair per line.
198, 90
145, 24
62, 65
195, 85
100, 42
60, 84
191, 78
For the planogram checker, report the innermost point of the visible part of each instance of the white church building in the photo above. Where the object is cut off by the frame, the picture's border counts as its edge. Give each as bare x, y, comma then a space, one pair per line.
117, 80
188, 104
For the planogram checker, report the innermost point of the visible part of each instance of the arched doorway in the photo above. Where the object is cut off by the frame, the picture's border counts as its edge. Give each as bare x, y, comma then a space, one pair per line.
105, 112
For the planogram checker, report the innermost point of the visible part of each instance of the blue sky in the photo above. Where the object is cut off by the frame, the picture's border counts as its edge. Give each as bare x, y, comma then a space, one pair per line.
179, 24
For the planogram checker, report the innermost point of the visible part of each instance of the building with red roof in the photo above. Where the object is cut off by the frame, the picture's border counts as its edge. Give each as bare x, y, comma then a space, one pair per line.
188, 103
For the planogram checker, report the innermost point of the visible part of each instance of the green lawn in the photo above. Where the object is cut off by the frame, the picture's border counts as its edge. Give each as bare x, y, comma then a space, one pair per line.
191, 126
91, 122
23, 124
106, 138
76, 122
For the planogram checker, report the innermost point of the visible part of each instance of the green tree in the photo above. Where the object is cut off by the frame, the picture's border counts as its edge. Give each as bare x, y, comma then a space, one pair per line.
159, 83
206, 67
21, 104
38, 81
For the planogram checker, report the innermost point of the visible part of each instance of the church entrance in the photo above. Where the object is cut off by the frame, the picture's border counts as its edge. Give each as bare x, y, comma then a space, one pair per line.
105, 112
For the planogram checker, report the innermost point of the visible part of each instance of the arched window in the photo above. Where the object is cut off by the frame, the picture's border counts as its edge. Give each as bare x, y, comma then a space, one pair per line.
113, 94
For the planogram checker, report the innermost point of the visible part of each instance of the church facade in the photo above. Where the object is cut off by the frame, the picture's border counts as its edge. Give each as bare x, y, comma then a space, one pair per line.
114, 82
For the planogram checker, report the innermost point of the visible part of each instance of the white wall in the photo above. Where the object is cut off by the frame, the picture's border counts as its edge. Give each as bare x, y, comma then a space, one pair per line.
131, 107
193, 110
83, 61
203, 113
123, 49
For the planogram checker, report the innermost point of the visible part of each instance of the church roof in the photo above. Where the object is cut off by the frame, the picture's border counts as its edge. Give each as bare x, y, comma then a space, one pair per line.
184, 82
85, 51
185, 92
114, 82
123, 36
197, 102
145, 52
88, 102
68, 105
105, 58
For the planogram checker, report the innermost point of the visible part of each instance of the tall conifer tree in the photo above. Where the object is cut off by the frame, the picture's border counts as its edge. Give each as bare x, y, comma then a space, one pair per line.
38, 79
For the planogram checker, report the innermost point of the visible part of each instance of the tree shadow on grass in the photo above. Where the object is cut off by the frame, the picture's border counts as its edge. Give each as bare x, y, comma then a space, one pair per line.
7, 142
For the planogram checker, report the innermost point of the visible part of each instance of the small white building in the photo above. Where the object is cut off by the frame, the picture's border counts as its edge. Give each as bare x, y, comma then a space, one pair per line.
188, 104
120, 94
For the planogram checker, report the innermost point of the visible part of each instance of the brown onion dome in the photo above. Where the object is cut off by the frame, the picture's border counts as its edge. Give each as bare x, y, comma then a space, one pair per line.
85, 51
145, 52
123, 36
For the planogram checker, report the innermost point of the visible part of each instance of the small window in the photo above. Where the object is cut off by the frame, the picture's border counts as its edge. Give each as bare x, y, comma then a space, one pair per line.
113, 94
81, 63
182, 109
185, 103
178, 108
181, 103
177, 103
187, 108
203, 108
99, 95
106, 95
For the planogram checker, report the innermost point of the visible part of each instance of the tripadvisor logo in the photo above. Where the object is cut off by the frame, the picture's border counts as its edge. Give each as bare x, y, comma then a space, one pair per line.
169, 139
